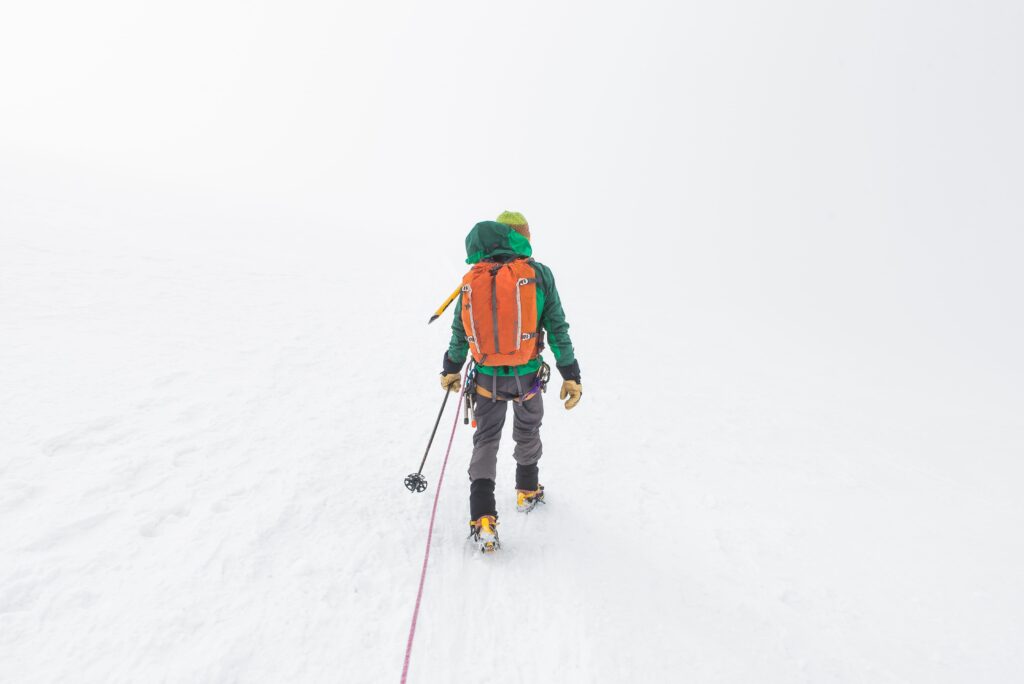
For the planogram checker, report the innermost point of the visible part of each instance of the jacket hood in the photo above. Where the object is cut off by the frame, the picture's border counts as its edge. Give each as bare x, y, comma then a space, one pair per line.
490, 239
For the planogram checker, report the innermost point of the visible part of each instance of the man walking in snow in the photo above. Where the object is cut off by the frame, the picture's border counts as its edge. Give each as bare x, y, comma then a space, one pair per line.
506, 304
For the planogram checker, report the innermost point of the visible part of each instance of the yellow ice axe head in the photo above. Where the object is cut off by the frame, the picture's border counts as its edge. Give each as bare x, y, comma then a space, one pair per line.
447, 303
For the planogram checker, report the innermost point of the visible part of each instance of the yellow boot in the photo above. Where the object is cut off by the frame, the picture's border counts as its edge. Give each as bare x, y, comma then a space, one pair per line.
484, 532
527, 500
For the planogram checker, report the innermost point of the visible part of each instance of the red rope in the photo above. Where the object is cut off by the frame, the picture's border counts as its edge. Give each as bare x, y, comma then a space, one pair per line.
430, 535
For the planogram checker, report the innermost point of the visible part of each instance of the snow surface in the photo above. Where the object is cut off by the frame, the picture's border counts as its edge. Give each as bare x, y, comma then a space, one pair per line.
788, 240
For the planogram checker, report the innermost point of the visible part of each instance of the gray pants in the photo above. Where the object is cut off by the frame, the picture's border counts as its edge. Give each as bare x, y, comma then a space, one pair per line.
490, 419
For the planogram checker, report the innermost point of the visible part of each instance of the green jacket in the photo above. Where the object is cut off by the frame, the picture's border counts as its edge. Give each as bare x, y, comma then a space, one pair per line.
489, 240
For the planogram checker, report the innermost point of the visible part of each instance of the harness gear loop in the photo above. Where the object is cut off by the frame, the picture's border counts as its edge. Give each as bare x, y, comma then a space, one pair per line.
539, 385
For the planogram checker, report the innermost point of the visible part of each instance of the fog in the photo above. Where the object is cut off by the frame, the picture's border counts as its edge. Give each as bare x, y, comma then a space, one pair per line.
852, 157
802, 212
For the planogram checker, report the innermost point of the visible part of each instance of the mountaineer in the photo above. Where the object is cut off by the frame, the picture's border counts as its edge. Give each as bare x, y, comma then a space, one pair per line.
507, 303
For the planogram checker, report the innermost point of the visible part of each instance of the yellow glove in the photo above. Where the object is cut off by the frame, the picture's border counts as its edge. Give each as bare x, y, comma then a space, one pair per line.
573, 390
451, 382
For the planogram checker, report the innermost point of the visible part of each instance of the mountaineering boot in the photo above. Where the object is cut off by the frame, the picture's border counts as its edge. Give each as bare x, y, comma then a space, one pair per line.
527, 500
484, 533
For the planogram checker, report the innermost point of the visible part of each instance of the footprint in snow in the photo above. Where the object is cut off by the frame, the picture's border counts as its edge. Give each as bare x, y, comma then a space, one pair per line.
156, 527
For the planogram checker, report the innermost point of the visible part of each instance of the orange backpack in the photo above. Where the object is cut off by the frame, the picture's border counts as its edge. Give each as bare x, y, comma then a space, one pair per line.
499, 312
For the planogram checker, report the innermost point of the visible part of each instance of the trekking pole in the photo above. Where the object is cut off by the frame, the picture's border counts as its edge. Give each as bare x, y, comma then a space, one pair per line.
415, 482
447, 303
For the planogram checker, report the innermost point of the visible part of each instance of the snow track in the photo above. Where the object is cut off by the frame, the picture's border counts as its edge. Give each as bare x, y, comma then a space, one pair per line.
201, 480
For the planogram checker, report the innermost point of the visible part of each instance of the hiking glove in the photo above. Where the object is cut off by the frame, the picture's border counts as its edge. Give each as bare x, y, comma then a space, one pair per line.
451, 381
573, 390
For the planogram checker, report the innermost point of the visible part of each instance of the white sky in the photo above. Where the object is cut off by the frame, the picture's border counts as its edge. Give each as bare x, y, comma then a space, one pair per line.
792, 159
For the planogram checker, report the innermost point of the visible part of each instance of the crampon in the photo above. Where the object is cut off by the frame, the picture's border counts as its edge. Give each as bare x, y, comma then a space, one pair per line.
484, 533
527, 500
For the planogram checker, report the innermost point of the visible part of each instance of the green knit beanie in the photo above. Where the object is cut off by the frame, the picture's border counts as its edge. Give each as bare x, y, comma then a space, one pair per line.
512, 218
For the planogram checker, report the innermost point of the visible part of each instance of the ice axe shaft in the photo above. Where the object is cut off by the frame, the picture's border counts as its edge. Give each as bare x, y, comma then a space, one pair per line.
447, 303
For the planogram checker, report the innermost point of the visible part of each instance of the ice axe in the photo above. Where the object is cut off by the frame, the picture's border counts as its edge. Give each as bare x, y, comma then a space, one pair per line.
415, 482
447, 303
